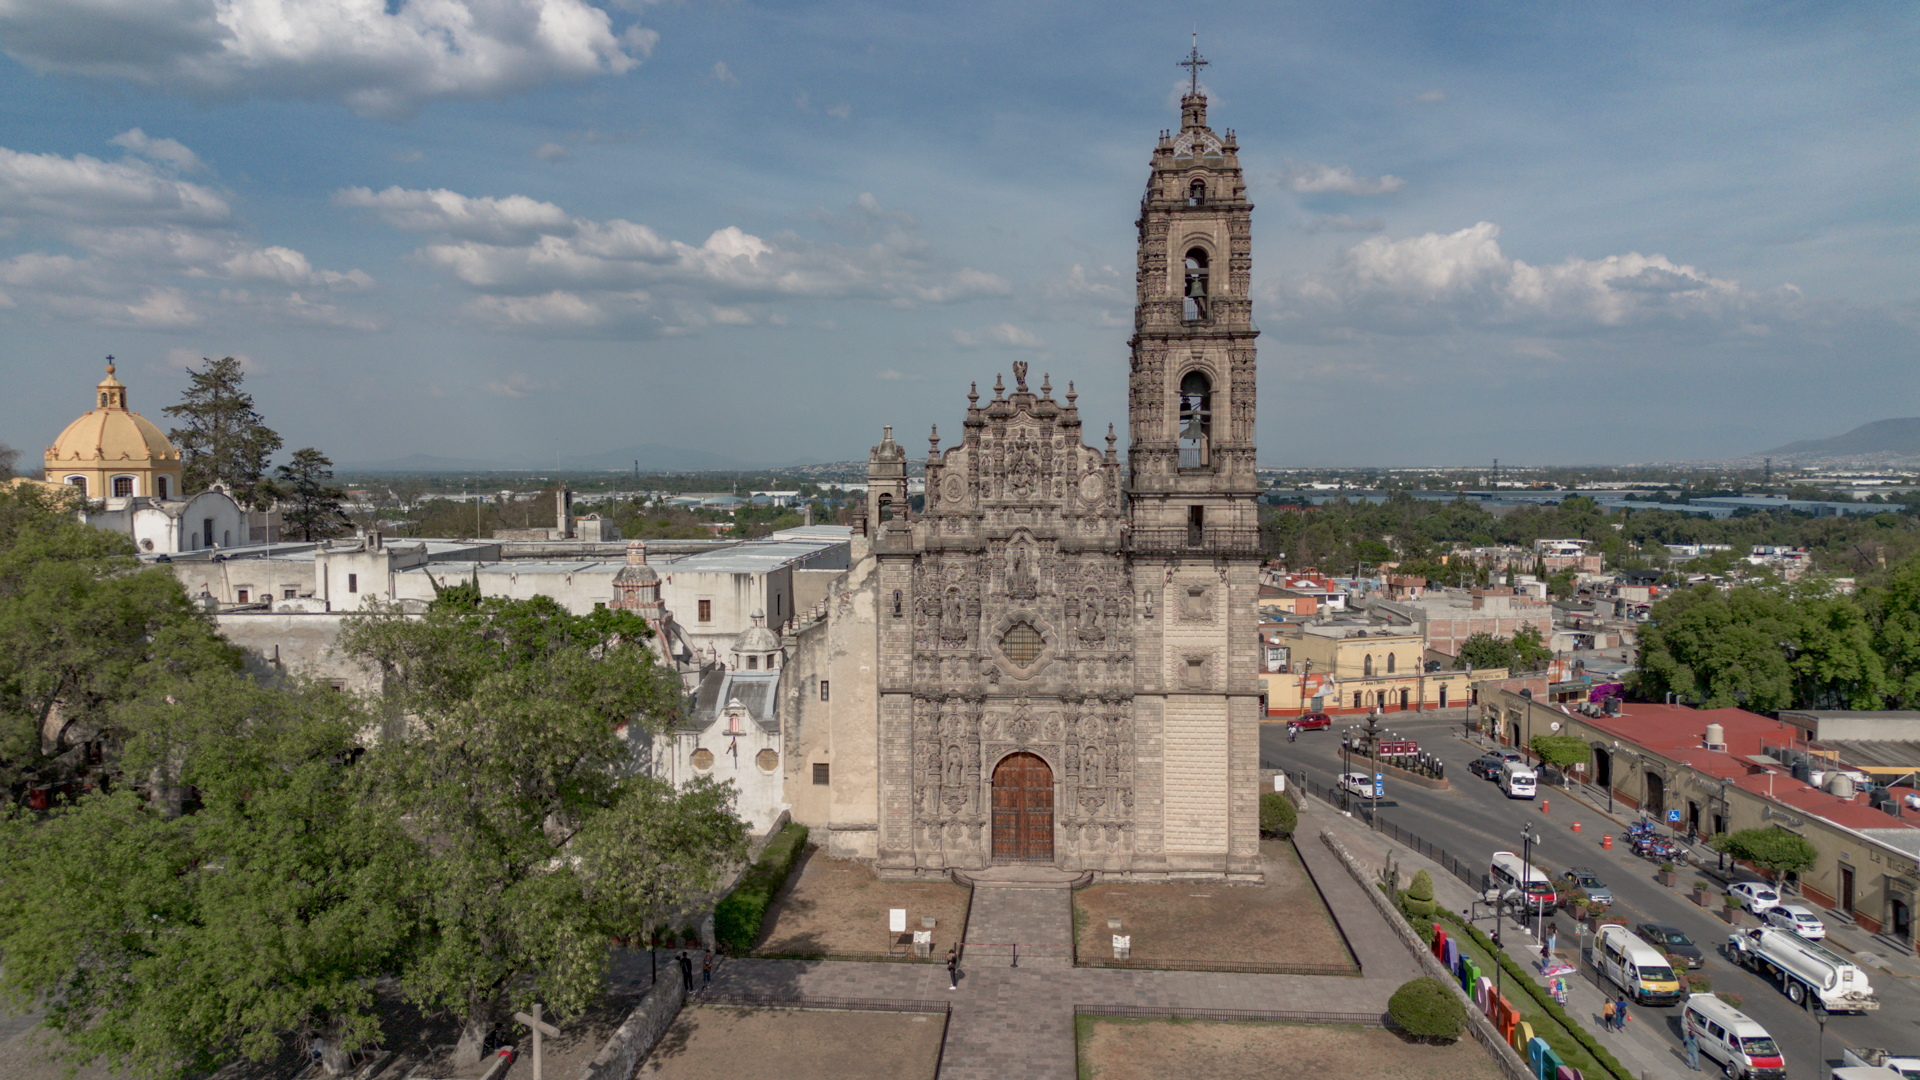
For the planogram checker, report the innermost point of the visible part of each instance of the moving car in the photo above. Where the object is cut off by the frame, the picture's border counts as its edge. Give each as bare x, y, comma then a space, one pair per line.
1729, 1036
1755, 896
1313, 722
1636, 967
1670, 940
1583, 879
1357, 782
1798, 918
1518, 780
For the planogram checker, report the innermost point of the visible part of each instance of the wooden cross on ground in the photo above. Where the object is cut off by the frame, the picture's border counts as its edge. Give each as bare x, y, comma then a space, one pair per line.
539, 1027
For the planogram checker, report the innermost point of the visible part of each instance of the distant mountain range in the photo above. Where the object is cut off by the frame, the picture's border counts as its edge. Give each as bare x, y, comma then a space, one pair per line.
1882, 438
652, 457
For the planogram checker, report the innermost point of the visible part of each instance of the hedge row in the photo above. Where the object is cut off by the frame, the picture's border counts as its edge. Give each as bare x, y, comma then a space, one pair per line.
737, 918
1521, 977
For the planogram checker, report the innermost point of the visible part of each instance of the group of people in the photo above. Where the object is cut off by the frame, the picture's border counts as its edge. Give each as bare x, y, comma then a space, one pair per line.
706, 970
1613, 1015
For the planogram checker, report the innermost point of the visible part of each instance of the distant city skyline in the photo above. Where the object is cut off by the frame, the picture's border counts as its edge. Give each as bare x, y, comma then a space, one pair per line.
551, 229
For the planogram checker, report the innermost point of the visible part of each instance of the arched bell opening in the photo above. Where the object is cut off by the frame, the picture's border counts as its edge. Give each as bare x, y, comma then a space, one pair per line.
1196, 306
1196, 420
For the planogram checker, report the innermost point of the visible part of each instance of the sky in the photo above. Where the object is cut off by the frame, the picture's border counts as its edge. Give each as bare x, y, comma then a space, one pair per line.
527, 231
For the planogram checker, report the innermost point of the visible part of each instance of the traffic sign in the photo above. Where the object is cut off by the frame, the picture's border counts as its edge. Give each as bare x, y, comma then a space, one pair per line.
1673, 817
1379, 785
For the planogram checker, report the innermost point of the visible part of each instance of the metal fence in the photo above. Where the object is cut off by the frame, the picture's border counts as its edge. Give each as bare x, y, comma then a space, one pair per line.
1249, 967
1468, 872
749, 1000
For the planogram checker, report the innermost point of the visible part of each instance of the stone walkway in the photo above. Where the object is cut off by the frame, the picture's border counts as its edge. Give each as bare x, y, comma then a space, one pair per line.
1016, 1022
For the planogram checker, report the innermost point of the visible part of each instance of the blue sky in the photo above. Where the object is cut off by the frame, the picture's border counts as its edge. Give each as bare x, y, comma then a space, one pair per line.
523, 230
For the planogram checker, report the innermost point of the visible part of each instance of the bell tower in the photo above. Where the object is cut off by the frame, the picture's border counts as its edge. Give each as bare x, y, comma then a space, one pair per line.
1192, 499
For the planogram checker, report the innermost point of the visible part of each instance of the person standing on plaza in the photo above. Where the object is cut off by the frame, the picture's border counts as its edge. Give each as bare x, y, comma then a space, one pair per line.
686, 970
953, 968
706, 970
1620, 1015
1693, 1049
1606, 1015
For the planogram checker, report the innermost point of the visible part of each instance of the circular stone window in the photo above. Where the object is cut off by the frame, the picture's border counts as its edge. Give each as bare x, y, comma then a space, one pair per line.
703, 760
767, 760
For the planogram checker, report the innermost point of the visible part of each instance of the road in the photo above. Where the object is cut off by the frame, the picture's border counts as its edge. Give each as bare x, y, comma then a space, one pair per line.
1474, 819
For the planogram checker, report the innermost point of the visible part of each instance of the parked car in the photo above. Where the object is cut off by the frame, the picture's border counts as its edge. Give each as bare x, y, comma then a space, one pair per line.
1755, 896
1798, 918
1486, 768
1586, 881
1670, 940
1359, 783
1314, 722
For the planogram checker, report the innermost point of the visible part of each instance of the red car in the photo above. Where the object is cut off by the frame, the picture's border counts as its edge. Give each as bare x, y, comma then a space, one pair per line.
1313, 722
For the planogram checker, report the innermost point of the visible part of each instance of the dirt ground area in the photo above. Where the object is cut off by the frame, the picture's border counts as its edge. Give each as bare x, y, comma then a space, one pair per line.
717, 1043
1282, 923
837, 907
1112, 1049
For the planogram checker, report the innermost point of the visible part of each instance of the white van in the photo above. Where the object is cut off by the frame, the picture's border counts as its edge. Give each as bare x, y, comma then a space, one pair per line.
1731, 1038
1513, 877
1635, 966
1518, 780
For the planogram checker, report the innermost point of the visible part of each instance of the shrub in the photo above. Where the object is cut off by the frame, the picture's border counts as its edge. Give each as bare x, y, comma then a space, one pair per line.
1424, 928
1666, 867
1699, 983
737, 918
1700, 885
1545, 1001
1731, 998
1419, 903
1428, 1010
1277, 815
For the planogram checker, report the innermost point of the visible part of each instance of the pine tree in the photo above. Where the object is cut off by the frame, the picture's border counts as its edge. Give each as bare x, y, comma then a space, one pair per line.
309, 503
222, 439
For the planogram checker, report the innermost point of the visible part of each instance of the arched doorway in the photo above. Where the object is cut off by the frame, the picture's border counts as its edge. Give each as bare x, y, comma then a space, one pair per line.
1023, 809
1602, 767
1656, 803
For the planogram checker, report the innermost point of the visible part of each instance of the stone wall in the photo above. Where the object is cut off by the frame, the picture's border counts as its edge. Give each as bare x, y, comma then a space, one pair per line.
637, 1035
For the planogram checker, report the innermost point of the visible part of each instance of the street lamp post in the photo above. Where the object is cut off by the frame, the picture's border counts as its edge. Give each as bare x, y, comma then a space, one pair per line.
1527, 838
1373, 758
1613, 763
1820, 1017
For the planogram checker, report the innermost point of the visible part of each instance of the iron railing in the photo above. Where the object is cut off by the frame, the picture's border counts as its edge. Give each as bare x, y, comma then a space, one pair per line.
1292, 1016
1467, 872
1196, 540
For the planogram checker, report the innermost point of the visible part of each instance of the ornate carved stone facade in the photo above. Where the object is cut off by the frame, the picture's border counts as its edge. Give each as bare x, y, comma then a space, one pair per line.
1064, 659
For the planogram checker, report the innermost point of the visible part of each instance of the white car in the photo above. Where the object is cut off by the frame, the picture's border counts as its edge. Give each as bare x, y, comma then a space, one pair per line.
1798, 918
1755, 896
1357, 782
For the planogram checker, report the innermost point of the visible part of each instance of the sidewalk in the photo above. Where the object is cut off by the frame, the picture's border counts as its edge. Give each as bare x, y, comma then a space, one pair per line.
1642, 1048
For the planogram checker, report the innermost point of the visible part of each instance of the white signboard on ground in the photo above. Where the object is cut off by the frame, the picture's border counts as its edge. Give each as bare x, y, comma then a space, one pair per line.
897, 920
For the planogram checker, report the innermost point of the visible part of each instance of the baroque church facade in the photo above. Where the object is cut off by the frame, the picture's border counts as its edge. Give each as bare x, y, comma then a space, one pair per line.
1056, 660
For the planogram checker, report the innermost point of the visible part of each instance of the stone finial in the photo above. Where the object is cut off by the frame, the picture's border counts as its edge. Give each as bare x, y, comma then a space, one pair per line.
999, 387
933, 442
973, 395
1111, 438
1046, 385
1070, 394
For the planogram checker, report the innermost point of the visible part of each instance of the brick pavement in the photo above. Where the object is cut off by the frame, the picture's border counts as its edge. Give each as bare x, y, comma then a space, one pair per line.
1017, 1022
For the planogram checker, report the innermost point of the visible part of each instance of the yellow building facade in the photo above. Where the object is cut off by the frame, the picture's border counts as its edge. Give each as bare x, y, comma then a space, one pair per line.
112, 452
1338, 670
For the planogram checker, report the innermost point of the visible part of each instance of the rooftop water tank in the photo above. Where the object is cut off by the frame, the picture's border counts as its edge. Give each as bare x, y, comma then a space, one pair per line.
1840, 785
1716, 737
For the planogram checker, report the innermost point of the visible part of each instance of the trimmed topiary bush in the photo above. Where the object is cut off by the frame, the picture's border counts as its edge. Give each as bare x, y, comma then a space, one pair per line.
737, 918
1428, 1010
1420, 896
1277, 815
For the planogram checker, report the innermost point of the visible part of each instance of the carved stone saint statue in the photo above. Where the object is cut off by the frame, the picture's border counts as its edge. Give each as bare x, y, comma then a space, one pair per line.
1020, 581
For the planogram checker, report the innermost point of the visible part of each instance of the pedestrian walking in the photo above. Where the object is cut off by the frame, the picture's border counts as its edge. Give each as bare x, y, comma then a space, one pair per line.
1693, 1049
1553, 941
686, 970
953, 967
706, 970
1620, 1016
1606, 1015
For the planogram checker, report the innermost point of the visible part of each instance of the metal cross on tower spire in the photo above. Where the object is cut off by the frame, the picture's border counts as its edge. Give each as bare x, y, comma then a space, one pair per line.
1193, 63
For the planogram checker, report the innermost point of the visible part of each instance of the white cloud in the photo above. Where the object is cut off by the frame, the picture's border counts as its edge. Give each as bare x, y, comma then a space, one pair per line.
842, 110
998, 336
537, 267
517, 385
129, 244
1437, 281
86, 189
380, 57
552, 152
514, 219
408, 157
169, 151
1315, 179
1431, 96
723, 74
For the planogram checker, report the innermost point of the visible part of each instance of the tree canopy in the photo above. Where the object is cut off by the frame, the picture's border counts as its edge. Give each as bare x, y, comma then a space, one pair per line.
1524, 651
1773, 850
222, 439
309, 500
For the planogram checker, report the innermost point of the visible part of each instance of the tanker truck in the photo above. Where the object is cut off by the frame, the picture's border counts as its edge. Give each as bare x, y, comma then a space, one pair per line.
1803, 969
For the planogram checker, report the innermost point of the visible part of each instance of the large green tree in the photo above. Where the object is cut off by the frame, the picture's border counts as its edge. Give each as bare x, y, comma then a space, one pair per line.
1773, 850
84, 630
1524, 651
172, 944
1762, 649
505, 757
222, 439
309, 500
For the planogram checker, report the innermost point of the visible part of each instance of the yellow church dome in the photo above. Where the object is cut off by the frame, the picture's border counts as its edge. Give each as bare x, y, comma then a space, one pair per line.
110, 441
